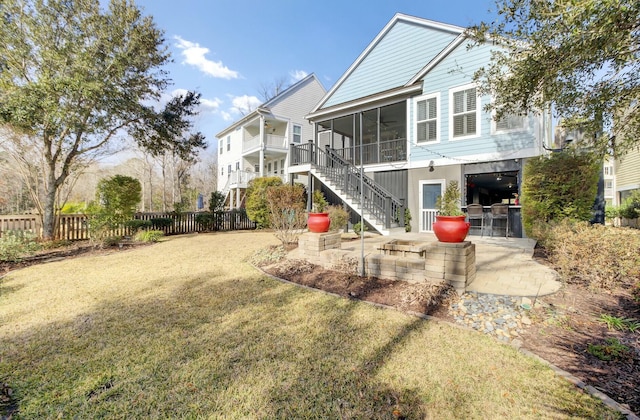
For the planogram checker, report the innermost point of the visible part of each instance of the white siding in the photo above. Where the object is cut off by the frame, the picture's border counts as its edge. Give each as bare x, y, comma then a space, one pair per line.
298, 104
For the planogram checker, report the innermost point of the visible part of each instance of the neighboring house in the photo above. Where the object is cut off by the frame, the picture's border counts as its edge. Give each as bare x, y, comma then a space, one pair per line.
627, 175
257, 145
408, 112
609, 177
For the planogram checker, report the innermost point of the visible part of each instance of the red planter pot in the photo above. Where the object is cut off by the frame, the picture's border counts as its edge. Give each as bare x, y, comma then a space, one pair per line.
451, 228
318, 222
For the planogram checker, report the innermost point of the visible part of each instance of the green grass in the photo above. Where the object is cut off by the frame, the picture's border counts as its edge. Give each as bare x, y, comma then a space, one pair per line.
186, 328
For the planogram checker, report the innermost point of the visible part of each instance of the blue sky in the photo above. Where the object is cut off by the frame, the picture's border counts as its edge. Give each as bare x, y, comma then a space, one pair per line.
227, 50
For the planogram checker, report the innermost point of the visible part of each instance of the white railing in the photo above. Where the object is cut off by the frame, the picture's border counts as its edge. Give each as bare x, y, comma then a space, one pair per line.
240, 179
426, 220
271, 141
250, 144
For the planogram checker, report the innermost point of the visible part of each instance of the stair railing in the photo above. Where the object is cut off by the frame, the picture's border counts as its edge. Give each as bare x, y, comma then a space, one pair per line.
378, 203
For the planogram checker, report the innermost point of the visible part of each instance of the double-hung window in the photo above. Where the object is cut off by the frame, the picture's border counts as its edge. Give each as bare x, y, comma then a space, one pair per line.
297, 133
228, 143
465, 121
427, 119
510, 122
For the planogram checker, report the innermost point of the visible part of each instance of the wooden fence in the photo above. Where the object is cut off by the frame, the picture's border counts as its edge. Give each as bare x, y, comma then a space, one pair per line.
75, 226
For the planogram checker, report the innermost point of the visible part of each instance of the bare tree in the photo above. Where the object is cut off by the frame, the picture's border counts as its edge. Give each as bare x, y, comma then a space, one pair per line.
269, 90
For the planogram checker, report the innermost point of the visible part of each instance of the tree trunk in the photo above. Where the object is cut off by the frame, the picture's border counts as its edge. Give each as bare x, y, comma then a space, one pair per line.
49, 211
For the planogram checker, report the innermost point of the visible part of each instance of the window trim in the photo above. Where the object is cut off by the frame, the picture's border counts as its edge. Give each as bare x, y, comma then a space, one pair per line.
496, 130
293, 133
478, 110
425, 97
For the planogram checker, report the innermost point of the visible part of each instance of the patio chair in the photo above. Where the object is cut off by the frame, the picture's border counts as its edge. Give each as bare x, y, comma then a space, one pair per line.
500, 211
476, 212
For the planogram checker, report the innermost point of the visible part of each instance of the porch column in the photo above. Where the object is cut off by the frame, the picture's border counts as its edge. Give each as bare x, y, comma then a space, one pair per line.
231, 198
261, 146
238, 198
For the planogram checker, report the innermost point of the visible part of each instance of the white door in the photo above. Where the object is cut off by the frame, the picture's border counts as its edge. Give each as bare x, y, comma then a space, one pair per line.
429, 192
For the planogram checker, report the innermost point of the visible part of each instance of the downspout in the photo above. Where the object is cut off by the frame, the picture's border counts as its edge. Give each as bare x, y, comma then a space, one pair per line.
261, 146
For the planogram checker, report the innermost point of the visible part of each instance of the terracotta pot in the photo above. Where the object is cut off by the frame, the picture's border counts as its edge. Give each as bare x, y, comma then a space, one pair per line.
318, 222
451, 228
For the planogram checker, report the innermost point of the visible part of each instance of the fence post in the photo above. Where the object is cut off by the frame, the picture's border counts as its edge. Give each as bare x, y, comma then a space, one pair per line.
311, 155
293, 159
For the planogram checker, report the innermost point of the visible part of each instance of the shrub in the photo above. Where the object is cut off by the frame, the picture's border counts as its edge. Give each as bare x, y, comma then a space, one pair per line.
615, 261
407, 220
319, 202
204, 219
285, 204
448, 204
630, 208
118, 196
110, 241
359, 228
159, 223
137, 224
612, 350
73, 208
99, 223
216, 202
338, 216
16, 245
561, 186
612, 212
148, 236
256, 201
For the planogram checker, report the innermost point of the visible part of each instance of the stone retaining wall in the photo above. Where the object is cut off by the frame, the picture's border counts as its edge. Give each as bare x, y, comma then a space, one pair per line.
454, 263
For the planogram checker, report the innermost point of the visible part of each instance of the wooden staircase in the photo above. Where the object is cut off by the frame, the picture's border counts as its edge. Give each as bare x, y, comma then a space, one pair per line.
379, 208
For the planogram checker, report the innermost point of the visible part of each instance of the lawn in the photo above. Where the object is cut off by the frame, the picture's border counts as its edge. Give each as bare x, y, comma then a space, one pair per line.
187, 328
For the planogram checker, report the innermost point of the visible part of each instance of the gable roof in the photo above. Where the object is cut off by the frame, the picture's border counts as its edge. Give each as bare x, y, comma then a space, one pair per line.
393, 45
264, 108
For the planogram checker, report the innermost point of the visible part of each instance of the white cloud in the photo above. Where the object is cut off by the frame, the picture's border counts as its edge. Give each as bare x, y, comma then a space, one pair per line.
244, 104
178, 92
194, 55
297, 75
226, 116
210, 105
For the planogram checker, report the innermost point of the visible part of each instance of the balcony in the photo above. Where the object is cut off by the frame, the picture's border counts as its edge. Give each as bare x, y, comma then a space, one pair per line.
240, 179
272, 142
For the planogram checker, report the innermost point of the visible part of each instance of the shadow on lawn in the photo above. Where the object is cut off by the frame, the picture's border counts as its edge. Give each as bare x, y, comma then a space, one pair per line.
234, 348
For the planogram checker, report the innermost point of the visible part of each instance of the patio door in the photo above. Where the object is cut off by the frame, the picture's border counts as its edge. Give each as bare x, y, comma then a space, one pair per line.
429, 192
